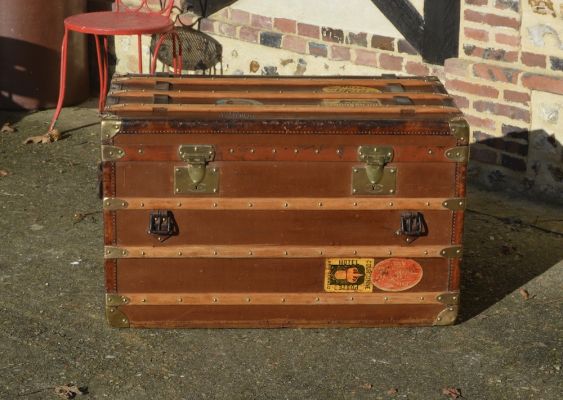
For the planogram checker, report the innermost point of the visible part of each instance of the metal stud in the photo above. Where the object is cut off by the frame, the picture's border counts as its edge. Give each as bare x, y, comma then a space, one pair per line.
180, 300
142, 204
214, 299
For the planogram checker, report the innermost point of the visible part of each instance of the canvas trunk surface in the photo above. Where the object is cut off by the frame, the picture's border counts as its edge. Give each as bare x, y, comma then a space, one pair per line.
279, 202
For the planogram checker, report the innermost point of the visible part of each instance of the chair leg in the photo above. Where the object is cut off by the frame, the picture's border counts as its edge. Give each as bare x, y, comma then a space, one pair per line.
140, 49
103, 95
155, 55
62, 81
100, 71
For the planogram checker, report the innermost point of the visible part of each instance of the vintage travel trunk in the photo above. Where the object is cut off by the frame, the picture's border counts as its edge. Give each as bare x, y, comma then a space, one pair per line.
282, 202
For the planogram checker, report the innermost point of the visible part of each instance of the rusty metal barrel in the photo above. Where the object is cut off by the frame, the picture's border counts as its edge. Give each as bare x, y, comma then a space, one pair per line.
31, 32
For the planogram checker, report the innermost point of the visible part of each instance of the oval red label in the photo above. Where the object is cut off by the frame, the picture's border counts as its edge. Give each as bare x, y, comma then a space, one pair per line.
396, 274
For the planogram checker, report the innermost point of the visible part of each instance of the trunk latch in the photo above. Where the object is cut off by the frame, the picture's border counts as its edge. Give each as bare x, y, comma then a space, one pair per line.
162, 224
196, 177
412, 226
376, 177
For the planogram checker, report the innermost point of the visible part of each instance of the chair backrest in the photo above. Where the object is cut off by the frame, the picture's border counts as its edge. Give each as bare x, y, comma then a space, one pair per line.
163, 7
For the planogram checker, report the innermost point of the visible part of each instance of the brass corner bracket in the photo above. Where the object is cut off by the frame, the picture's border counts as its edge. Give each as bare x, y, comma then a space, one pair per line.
460, 129
112, 153
448, 298
457, 154
110, 128
114, 252
452, 252
115, 317
447, 316
113, 203
456, 204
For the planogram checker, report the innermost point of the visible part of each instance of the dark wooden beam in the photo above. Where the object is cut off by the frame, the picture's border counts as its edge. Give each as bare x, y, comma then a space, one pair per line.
405, 18
441, 30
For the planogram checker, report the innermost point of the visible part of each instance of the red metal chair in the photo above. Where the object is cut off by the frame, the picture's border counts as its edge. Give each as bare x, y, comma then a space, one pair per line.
142, 19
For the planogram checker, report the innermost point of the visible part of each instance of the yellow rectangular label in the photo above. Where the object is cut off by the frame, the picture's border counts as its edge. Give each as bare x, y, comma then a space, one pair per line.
348, 275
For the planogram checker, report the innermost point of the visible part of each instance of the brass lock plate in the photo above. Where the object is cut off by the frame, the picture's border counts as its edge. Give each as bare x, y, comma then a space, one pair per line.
376, 178
183, 183
361, 185
197, 177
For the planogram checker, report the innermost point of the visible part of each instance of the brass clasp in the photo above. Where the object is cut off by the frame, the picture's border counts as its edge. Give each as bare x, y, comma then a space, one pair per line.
375, 159
196, 178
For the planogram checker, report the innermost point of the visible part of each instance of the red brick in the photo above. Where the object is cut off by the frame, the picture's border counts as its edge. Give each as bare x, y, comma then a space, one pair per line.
383, 43
294, 43
517, 97
364, 57
496, 74
474, 121
490, 53
312, 31
477, 34
206, 25
226, 29
544, 83
285, 25
457, 66
472, 88
390, 62
502, 109
339, 53
533, 60
240, 17
416, 68
510, 40
492, 19
248, 34
259, 21
477, 2
461, 101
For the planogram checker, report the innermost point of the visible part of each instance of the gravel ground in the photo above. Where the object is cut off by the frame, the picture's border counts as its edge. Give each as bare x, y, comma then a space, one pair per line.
508, 344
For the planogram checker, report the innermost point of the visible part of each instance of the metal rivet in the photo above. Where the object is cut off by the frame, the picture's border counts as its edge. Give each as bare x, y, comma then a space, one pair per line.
231, 150
429, 151
425, 252
391, 191
317, 299
351, 299
179, 204
142, 204
320, 204
249, 204
177, 169
390, 204
338, 151
142, 253
392, 170
386, 298
428, 204
439, 318
285, 205
355, 252
443, 252
177, 189
461, 203
252, 150
458, 251
283, 300
355, 204
214, 204
317, 151
214, 299
214, 169
111, 153
250, 253
440, 298
143, 300
247, 299
124, 252
450, 308
296, 151
274, 150
214, 190
140, 151
179, 253
389, 252
285, 253
421, 297
356, 170
124, 320
214, 252
454, 298
321, 252
354, 190
123, 204
180, 299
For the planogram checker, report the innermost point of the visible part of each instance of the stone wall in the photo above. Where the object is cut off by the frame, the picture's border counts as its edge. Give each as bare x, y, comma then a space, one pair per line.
508, 78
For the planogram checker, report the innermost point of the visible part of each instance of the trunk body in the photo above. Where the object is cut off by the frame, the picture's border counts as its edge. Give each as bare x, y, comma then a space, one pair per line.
282, 202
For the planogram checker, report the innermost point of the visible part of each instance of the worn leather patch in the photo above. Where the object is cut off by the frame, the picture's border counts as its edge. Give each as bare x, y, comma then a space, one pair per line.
348, 275
396, 274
